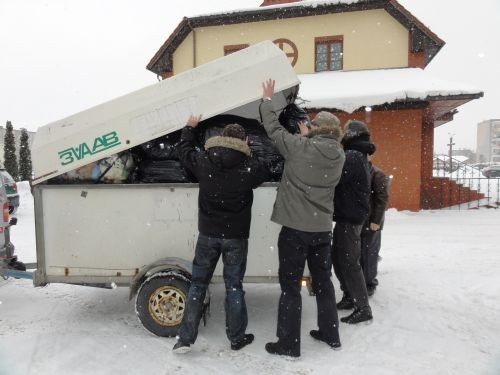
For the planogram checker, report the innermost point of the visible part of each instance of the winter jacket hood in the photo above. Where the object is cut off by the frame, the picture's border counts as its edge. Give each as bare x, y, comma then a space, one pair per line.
228, 142
226, 152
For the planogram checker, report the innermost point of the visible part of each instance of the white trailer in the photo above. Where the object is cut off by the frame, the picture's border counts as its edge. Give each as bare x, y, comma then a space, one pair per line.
143, 235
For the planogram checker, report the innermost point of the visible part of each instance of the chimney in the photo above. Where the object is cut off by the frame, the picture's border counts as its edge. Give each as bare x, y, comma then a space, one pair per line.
277, 2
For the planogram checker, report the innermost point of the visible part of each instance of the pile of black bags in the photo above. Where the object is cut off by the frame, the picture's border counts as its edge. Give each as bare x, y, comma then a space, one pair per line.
158, 160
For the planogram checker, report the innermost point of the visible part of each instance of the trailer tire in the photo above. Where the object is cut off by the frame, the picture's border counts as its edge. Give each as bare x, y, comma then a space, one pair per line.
160, 304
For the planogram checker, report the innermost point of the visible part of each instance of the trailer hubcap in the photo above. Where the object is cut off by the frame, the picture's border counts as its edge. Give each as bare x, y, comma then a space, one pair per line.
166, 306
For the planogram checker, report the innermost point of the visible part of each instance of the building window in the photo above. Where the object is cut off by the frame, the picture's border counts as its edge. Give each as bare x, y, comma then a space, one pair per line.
329, 53
234, 48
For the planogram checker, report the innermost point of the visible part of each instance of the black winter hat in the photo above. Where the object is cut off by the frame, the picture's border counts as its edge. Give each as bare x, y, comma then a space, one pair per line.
355, 129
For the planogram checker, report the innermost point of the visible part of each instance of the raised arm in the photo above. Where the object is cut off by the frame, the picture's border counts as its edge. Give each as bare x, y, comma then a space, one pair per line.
186, 147
285, 142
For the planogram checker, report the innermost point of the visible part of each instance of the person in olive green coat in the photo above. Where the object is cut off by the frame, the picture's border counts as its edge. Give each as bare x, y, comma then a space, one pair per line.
304, 207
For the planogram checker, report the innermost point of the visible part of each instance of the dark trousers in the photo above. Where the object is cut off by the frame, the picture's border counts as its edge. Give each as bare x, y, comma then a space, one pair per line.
346, 253
207, 253
295, 247
370, 248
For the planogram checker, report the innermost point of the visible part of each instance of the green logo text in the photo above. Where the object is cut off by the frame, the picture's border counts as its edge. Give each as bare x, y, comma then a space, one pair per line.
79, 152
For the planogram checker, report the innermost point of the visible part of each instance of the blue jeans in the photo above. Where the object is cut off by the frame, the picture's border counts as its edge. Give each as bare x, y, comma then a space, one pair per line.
234, 256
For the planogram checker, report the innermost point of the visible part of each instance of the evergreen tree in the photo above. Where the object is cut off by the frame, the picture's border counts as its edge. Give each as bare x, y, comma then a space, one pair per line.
25, 166
9, 152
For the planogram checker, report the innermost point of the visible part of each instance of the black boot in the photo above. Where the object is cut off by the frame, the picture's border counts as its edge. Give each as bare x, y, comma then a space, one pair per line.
181, 347
319, 336
346, 303
370, 289
359, 315
276, 348
247, 339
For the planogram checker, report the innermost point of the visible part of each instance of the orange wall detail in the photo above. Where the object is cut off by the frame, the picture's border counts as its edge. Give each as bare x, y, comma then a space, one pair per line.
400, 138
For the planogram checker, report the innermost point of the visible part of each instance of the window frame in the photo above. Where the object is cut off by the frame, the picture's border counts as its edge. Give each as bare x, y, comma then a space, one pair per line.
328, 40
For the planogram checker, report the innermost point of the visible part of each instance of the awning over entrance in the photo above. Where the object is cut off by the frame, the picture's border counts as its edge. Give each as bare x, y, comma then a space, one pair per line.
386, 88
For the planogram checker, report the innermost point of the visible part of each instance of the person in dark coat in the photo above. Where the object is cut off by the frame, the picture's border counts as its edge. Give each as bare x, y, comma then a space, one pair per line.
226, 174
371, 235
352, 196
304, 208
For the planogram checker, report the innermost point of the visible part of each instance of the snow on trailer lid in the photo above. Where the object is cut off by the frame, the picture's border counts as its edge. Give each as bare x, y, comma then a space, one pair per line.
216, 87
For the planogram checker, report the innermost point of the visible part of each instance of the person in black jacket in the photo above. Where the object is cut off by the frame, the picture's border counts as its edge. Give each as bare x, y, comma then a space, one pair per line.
226, 174
371, 234
351, 207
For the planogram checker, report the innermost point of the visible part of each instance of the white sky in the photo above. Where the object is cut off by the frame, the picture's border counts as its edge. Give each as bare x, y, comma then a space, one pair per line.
58, 57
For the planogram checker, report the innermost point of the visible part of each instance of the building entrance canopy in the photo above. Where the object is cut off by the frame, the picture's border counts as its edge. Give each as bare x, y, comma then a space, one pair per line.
355, 90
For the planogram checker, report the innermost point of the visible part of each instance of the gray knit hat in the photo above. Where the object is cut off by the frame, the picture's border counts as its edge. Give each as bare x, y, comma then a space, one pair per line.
324, 118
326, 123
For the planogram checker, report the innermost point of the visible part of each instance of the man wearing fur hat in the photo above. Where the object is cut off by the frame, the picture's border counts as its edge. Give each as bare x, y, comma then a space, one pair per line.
304, 208
352, 205
226, 176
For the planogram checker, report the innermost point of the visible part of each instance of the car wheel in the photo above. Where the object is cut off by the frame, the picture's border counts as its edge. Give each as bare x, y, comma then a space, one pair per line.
160, 304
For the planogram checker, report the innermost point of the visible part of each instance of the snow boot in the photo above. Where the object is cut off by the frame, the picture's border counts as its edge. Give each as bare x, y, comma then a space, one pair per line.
247, 339
181, 347
370, 289
359, 315
346, 303
319, 336
276, 348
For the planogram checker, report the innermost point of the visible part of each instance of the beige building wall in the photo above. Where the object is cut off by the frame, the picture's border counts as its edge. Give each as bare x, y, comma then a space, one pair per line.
372, 39
183, 56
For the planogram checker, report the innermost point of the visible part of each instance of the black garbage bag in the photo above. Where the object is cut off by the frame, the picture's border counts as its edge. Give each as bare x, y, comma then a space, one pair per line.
162, 148
156, 171
291, 116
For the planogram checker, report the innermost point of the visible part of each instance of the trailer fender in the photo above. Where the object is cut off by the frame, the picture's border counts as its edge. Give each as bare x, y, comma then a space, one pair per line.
176, 266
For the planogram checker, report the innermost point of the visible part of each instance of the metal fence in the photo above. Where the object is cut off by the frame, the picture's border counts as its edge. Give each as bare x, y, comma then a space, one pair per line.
471, 177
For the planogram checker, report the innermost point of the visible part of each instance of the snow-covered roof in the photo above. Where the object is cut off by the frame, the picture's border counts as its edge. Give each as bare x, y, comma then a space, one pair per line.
305, 4
348, 91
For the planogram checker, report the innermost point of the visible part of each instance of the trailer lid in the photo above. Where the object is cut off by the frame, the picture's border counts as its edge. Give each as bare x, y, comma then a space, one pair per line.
217, 87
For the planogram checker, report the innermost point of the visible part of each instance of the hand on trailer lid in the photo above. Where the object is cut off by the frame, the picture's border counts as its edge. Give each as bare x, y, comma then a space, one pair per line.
193, 121
268, 89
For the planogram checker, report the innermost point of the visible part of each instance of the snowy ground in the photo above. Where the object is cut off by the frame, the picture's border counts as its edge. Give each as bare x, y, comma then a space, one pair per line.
436, 311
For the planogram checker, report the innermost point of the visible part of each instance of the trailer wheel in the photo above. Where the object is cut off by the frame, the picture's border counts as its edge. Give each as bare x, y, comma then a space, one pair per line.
160, 304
